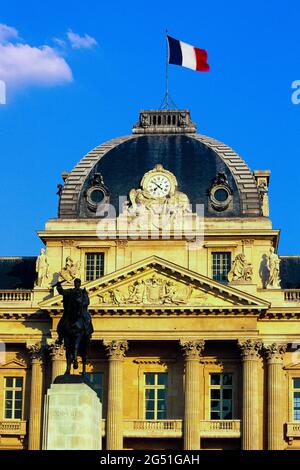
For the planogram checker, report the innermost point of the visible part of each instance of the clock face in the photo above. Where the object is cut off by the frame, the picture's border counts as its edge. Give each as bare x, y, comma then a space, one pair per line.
159, 185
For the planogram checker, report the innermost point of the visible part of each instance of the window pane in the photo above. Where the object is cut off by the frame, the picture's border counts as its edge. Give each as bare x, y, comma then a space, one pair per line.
149, 414
227, 415
8, 382
149, 379
215, 394
296, 383
162, 379
18, 395
8, 404
8, 394
94, 266
8, 414
227, 393
19, 382
161, 415
215, 405
149, 394
150, 405
161, 405
18, 414
161, 394
227, 379
215, 415
215, 379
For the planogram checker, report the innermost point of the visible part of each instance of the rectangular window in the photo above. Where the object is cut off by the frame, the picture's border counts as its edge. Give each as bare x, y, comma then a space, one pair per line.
156, 395
221, 265
97, 381
221, 390
94, 266
296, 399
13, 397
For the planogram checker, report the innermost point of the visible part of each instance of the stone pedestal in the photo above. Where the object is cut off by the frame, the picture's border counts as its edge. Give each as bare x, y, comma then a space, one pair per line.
72, 416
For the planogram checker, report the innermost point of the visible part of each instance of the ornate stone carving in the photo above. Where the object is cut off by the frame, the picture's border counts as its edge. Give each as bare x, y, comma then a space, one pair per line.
157, 202
36, 351
248, 241
121, 243
250, 349
273, 266
116, 349
70, 270
68, 243
192, 349
264, 196
275, 351
57, 351
42, 268
241, 270
154, 290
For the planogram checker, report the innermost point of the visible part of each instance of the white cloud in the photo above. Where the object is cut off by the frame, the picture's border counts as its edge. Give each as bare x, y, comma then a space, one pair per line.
81, 42
22, 64
7, 32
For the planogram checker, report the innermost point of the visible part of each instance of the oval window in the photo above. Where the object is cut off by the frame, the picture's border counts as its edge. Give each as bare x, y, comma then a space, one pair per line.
221, 195
97, 196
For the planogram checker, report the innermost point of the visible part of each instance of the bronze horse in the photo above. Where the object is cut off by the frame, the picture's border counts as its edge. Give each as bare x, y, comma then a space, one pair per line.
75, 327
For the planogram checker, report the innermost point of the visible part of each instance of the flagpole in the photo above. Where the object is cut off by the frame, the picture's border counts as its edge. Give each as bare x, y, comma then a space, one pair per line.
167, 70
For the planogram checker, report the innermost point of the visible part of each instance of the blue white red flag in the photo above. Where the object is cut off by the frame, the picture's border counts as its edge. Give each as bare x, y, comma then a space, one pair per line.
181, 53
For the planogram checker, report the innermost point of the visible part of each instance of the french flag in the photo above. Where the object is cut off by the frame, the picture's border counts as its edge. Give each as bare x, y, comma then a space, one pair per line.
181, 53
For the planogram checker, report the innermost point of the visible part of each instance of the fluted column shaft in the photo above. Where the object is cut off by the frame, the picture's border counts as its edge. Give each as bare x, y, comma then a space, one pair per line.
274, 354
114, 424
36, 397
57, 354
192, 351
250, 350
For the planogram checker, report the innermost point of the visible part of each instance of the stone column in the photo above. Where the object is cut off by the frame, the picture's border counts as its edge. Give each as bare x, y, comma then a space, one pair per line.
36, 395
250, 353
114, 424
274, 354
192, 351
57, 354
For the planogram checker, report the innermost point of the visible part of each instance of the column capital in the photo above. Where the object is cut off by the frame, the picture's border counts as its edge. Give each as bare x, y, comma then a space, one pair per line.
192, 349
57, 351
116, 349
250, 348
275, 352
36, 351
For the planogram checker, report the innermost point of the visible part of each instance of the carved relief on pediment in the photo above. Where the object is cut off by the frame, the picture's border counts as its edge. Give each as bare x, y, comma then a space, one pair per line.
156, 289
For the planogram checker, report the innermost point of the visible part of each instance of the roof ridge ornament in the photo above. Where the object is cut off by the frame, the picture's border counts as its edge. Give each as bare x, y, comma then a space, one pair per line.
164, 121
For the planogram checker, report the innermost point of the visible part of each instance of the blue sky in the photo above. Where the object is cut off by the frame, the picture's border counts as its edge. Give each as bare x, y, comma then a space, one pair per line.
117, 67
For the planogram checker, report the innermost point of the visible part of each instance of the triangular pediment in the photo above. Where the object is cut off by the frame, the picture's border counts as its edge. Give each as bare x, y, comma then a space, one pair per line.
14, 364
158, 284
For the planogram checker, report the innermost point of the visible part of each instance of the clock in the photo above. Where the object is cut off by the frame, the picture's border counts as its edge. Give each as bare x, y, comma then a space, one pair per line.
159, 185
159, 182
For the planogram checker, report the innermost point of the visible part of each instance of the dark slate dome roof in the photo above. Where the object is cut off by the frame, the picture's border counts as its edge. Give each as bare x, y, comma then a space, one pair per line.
194, 159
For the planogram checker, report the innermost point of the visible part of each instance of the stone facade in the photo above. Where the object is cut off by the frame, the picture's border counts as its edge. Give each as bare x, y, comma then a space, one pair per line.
213, 363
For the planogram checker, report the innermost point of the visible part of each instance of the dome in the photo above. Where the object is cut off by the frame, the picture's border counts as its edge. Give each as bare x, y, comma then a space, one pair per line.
207, 171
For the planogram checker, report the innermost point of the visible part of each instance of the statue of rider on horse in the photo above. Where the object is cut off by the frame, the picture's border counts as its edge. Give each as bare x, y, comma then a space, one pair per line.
75, 327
